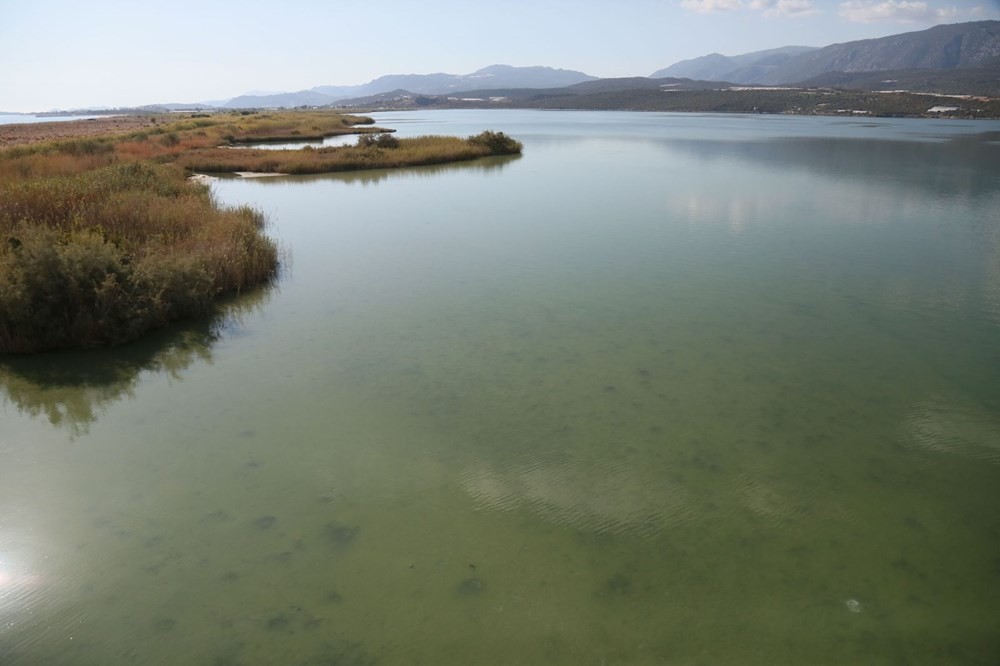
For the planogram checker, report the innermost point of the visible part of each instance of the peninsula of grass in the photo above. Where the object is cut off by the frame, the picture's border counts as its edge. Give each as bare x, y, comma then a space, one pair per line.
104, 238
101, 256
382, 151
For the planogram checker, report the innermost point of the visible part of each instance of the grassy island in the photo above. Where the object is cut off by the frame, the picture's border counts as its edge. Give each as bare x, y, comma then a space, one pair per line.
105, 237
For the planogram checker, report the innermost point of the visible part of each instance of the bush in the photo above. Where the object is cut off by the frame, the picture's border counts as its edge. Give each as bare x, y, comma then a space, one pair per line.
497, 143
378, 140
61, 289
102, 256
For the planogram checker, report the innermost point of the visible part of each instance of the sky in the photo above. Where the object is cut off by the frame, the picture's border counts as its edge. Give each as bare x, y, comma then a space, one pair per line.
70, 54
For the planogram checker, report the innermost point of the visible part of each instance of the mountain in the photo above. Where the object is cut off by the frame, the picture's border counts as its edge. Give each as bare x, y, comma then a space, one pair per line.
964, 81
494, 76
301, 98
685, 95
529, 97
174, 106
943, 47
517, 96
717, 67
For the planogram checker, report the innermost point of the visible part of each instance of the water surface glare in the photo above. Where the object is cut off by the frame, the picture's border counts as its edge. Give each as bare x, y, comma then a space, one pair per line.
667, 389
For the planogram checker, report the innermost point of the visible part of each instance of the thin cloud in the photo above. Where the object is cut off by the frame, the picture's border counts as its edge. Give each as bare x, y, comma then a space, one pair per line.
771, 8
783, 7
711, 6
902, 11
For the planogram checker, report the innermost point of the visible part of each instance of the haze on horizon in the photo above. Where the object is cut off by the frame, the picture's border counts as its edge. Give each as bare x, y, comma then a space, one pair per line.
59, 54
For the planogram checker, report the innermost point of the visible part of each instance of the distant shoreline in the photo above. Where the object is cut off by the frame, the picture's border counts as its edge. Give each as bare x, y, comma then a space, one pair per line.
829, 102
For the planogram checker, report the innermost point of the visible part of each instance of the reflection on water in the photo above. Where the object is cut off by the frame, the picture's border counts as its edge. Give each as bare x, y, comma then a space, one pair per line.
71, 389
963, 166
328, 142
373, 176
663, 379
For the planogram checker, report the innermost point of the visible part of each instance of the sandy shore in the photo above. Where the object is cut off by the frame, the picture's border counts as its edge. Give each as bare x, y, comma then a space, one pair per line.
27, 133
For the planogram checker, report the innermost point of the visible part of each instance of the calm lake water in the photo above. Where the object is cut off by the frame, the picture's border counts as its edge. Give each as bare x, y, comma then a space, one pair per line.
667, 389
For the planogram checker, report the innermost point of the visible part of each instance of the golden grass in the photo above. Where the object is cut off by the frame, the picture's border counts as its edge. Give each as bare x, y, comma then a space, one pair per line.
419, 151
103, 238
102, 256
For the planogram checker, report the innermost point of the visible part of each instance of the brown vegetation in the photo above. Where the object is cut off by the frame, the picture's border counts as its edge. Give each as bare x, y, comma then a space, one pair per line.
20, 134
419, 151
102, 256
104, 237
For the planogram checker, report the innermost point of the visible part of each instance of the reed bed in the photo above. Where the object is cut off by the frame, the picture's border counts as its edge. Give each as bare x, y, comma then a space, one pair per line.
104, 238
102, 256
420, 151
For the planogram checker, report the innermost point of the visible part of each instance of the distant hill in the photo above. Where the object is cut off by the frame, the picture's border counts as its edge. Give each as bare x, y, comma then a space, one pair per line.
527, 96
494, 76
717, 67
968, 80
170, 107
292, 99
961, 58
943, 47
696, 96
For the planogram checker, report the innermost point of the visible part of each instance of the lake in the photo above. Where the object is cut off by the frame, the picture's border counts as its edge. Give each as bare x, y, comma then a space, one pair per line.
666, 389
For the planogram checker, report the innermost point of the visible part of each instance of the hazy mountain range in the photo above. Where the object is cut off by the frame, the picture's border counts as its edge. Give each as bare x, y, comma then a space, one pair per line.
944, 58
943, 47
738, 69
494, 76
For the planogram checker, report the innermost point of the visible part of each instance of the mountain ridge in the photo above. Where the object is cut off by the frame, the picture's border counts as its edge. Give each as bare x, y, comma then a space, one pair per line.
923, 58
493, 76
715, 66
942, 47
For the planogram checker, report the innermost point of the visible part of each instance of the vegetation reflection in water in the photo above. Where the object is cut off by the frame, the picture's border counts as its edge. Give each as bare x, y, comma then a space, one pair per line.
71, 389
727, 401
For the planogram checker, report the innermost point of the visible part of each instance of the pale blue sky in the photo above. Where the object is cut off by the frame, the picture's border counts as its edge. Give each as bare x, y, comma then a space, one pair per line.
72, 54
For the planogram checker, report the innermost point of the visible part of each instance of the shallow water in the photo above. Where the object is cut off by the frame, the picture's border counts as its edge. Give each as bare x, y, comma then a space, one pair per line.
330, 141
668, 389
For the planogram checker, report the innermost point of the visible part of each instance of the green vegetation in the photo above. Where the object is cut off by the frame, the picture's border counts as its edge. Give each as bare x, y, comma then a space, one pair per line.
103, 239
373, 151
102, 256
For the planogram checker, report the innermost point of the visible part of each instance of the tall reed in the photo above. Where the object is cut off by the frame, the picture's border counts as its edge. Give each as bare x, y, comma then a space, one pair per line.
101, 256
104, 238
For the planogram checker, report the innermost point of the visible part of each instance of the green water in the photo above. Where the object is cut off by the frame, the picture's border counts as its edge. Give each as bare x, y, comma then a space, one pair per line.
668, 389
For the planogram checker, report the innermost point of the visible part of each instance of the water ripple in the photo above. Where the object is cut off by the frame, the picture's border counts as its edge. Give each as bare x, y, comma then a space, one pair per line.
935, 425
618, 496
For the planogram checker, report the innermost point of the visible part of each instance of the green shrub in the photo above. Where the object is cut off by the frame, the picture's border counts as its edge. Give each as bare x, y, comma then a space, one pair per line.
497, 143
103, 238
377, 140
100, 257
62, 289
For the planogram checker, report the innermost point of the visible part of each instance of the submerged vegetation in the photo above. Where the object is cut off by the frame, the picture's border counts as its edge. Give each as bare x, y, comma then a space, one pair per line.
105, 238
